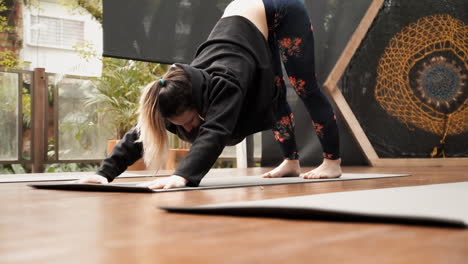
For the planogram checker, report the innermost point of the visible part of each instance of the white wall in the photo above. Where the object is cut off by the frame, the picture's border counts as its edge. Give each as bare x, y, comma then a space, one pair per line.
61, 60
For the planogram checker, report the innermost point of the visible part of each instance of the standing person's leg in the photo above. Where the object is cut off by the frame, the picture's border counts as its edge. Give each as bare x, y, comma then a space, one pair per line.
284, 127
294, 34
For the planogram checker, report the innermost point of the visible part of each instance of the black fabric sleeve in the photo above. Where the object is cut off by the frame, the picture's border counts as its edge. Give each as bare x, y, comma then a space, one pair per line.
124, 154
225, 102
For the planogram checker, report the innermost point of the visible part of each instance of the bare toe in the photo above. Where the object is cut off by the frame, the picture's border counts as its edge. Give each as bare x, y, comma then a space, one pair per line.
309, 175
288, 168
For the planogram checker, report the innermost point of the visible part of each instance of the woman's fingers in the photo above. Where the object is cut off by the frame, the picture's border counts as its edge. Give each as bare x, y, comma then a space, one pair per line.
92, 179
103, 180
174, 184
158, 184
165, 183
145, 184
154, 184
170, 185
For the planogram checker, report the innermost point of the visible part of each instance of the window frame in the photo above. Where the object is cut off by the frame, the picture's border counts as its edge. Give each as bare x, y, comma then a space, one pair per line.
61, 46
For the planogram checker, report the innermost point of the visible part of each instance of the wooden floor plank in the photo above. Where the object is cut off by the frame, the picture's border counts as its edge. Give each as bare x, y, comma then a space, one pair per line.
45, 226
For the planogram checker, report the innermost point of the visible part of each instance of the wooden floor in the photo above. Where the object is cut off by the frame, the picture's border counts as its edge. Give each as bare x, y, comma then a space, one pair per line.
41, 226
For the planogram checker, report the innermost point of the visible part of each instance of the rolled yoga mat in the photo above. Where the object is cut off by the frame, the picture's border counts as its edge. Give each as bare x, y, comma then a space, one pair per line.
435, 205
207, 183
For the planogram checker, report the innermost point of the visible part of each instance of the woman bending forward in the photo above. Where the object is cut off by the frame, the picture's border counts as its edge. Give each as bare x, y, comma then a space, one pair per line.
233, 88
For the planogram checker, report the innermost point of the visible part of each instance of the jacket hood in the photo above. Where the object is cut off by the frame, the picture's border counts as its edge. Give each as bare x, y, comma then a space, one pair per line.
200, 83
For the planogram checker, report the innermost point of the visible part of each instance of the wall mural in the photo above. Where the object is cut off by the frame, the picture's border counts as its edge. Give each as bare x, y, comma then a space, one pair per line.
407, 83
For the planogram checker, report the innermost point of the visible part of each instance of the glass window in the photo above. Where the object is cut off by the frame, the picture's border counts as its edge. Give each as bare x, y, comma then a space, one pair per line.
8, 116
56, 32
82, 135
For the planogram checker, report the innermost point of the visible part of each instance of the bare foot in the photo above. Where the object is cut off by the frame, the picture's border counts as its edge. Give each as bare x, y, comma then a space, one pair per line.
328, 169
288, 168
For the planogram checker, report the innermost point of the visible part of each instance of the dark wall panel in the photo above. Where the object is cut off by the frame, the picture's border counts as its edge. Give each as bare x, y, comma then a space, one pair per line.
165, 31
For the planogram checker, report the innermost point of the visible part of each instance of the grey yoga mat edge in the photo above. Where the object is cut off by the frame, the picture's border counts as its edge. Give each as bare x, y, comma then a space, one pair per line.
57, 178
126, 187
316, 214
439, 204
92, 188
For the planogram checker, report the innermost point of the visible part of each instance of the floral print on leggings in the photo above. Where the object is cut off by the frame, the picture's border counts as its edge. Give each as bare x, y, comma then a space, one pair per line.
290, 47
283, 127
298, 85
291, 41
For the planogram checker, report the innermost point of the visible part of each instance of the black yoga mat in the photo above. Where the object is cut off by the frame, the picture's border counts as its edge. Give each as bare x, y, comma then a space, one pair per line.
434, 205
207, 183
11, 178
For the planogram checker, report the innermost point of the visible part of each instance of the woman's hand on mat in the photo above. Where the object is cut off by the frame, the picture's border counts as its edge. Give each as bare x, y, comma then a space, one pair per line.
93, 179
166, 183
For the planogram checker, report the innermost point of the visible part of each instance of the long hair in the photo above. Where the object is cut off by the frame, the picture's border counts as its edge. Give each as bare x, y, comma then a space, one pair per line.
170, 96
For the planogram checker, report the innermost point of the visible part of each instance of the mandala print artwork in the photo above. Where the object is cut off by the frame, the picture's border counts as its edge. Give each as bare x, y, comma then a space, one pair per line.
418, 84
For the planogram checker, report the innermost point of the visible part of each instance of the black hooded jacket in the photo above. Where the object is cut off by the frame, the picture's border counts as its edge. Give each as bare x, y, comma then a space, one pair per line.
233, 91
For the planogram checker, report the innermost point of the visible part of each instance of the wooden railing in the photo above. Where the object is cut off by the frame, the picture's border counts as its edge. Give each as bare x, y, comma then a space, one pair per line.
42, 115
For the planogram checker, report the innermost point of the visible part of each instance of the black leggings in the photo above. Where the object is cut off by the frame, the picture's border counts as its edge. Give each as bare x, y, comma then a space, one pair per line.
291, 40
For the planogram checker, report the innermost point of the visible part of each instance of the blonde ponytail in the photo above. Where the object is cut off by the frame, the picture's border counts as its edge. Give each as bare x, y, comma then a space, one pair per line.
151, 127
167, 97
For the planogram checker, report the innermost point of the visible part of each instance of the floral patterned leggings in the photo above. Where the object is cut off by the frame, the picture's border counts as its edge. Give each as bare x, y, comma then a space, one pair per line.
291, 41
